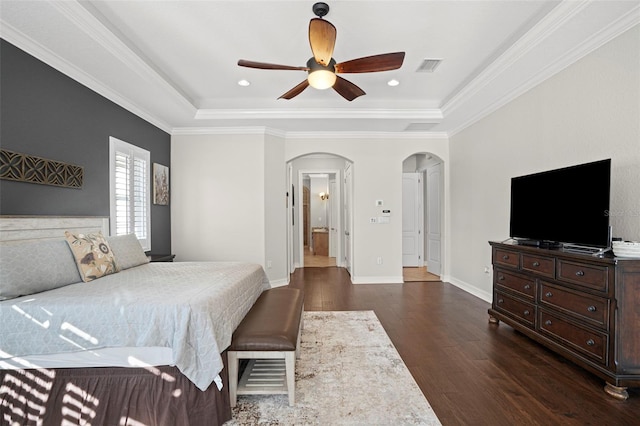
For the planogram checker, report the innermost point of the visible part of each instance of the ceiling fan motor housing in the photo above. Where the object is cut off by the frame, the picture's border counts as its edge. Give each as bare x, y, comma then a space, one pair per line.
320, 9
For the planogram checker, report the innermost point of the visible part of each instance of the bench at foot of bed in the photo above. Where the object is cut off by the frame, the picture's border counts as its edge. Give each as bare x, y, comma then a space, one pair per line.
269, 336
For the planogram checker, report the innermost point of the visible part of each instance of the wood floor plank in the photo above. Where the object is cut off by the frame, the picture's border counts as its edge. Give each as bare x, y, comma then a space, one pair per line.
471, 372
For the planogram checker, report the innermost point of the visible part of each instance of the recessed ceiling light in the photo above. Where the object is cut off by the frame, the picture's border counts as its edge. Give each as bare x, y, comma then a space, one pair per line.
244, 83
393, 82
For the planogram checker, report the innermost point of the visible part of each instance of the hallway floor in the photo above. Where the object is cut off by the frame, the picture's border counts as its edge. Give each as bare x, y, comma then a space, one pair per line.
314, 261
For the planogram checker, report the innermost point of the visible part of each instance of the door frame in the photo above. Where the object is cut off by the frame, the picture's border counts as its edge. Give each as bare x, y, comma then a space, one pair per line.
299, 214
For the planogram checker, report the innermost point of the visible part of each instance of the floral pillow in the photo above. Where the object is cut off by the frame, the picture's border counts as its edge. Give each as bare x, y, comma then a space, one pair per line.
93, 255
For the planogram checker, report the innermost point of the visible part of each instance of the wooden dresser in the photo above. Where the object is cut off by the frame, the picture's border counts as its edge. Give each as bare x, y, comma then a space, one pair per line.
585, 308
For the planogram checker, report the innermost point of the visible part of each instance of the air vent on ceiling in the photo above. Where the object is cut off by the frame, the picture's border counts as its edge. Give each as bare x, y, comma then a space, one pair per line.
429, 65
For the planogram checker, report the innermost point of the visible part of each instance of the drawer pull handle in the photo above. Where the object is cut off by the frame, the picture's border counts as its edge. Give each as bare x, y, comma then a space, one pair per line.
580, 273
505, 257
591, 308
527, 286
526, 312
547, 322
536, 264
501, 278
590, 342
500, 300
548, 294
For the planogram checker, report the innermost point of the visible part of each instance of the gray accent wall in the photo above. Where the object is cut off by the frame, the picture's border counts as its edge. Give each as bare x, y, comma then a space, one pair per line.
46, 114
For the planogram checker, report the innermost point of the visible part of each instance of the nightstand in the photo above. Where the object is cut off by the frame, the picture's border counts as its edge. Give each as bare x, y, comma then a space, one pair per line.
161, 257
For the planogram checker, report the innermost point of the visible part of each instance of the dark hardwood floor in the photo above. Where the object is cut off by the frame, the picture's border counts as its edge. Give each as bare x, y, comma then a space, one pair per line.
471, 372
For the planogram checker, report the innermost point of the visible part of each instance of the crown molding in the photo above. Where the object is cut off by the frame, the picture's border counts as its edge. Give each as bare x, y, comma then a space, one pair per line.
248, 130
590, 44
546, 26
15, 37
367, 135
257, 130
92, 26
432, 115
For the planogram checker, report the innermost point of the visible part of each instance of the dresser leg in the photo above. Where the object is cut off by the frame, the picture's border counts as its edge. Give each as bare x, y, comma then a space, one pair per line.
616, 391
493, 320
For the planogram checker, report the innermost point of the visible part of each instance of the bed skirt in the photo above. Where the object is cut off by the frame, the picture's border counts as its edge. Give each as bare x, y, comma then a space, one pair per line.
111, 396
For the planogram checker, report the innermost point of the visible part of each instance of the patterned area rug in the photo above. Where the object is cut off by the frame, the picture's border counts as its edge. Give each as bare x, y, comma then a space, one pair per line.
349, 373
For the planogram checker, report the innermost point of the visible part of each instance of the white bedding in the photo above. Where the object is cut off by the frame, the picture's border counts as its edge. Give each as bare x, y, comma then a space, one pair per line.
190, 307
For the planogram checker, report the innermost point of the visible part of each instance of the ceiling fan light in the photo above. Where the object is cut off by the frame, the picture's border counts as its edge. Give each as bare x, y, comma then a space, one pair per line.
321, 79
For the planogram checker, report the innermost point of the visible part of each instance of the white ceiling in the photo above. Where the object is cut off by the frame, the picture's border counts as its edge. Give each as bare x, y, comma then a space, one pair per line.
174, 63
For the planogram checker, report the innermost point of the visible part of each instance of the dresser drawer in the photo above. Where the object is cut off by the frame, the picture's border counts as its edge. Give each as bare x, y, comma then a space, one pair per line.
592, 309
545, 266
589, 276
524, 285
514, 307
590, 343
506, 258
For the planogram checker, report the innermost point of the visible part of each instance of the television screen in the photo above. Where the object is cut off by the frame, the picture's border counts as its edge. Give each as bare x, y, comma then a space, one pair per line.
568, 205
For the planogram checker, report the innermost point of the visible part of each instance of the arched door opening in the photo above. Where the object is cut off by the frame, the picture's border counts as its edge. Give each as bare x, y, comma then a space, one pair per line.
317, 215
422, 207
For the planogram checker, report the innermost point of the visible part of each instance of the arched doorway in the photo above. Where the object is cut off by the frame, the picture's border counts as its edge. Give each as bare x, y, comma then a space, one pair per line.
328, 215
422, 212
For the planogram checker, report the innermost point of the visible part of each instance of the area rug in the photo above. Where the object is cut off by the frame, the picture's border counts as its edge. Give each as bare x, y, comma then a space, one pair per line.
349, 373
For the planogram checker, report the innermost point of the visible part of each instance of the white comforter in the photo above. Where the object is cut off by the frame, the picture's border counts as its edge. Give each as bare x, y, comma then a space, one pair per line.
191, 307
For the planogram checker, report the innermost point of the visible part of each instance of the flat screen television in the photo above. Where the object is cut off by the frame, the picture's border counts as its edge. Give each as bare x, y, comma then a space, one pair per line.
568, 205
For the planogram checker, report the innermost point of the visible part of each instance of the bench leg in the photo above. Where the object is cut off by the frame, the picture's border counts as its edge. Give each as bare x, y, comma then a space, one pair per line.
290, 363
232, 358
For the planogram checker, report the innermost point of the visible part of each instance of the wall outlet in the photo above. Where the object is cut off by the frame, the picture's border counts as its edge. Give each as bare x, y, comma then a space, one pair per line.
486, 269
373, 220
379, 260
269, 264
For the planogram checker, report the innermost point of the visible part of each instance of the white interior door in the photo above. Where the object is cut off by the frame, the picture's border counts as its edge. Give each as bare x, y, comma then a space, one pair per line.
348, 194
434, 219
412, 220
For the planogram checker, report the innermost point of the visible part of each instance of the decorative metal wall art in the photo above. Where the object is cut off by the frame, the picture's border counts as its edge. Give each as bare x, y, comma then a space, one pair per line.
27, 168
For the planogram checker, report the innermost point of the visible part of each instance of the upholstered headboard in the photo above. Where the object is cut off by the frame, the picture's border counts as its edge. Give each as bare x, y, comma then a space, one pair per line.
21, 228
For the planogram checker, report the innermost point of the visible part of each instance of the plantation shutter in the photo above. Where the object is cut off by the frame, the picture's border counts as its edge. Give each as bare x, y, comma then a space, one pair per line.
130, 191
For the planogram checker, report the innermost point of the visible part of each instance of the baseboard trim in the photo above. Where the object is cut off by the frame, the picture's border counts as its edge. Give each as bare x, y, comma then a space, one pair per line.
481, 294
377, 280
279, 283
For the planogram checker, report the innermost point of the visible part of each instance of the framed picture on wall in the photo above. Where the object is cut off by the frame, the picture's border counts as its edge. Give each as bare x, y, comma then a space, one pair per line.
160, 184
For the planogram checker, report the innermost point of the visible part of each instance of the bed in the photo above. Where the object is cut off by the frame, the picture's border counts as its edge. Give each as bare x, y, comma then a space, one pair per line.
140, 345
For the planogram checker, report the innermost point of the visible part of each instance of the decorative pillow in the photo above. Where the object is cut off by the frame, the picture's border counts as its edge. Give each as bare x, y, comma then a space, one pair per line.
93, 255
28, 267
127, 250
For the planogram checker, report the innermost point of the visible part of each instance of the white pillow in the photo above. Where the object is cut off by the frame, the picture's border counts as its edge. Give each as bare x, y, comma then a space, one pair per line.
127, 250
28, 267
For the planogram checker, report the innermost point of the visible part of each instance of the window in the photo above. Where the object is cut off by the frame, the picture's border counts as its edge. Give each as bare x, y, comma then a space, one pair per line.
130, 185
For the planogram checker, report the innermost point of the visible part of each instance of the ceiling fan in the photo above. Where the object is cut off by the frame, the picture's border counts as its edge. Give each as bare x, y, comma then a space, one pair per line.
322, 68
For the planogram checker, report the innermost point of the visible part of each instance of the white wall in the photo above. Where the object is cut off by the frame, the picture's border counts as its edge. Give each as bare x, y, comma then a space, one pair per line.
587, 112
218, 197
275, 213
377, 175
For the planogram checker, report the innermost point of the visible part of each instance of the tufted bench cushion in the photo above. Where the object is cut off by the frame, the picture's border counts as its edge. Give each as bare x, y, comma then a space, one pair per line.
271, 330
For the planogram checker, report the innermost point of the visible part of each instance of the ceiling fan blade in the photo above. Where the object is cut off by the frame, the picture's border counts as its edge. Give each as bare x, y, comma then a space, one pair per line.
295, 91
267, 66
322, 38
384, 62
347, 90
